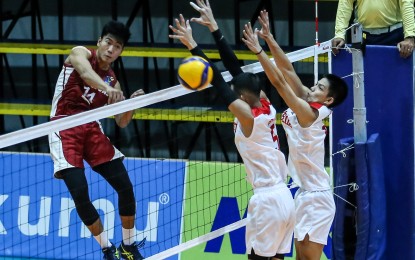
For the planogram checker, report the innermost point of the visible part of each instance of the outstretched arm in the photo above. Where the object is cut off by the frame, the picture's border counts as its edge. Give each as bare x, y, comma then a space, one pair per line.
305, 114
239, 108
282, 61
206, 18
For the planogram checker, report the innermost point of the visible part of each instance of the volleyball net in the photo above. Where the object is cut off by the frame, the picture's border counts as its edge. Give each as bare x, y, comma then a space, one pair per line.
184, 206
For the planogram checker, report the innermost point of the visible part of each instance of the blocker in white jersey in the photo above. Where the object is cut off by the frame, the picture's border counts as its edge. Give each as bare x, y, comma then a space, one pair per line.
271, 208
314, 203
305, 133
306, 149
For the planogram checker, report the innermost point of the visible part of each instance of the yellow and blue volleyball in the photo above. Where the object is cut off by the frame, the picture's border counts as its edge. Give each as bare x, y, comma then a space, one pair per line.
195, 73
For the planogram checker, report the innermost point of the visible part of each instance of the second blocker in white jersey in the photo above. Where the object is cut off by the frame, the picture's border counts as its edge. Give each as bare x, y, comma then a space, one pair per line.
264, 162
306, 150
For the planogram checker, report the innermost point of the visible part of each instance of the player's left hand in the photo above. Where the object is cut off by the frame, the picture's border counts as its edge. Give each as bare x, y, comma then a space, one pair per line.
251, 38
263, 19
183, 32
137, 93
406, 47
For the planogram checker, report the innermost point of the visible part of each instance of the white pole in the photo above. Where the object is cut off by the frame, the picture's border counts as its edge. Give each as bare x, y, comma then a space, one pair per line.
316, 17
330, 127
359, 109
316, 46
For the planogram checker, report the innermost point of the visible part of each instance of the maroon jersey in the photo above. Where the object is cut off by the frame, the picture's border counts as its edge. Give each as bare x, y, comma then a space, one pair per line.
73, 95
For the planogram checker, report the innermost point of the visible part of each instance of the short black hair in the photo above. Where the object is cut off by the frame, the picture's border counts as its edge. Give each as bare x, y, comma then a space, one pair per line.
337, 90
118, 30
246, 82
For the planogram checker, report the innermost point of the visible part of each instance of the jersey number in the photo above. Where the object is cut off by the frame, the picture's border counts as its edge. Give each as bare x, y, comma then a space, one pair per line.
89, 96
274, 135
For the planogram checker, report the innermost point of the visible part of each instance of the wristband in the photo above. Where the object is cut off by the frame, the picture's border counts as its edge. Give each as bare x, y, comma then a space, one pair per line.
259, 52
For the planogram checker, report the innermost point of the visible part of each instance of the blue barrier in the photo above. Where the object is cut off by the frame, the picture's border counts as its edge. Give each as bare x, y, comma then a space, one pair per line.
390, 112
59, 234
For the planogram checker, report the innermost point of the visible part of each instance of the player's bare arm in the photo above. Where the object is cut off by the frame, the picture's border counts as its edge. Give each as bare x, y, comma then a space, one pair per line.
282, 61
79, 60
242, 111
124, 119
305, 114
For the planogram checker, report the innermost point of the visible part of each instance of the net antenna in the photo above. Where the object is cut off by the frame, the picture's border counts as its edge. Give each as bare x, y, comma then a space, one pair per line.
316, 16
359, 108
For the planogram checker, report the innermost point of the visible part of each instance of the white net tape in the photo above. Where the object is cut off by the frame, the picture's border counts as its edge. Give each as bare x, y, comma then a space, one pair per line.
138, 102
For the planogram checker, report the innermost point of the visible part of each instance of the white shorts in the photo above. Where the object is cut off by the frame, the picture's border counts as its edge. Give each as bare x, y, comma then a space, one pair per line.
314, 211
271, 220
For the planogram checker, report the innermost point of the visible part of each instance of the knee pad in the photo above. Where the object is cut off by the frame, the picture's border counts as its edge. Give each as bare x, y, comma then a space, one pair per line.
84, 207
116, 175
126, 201
78, 187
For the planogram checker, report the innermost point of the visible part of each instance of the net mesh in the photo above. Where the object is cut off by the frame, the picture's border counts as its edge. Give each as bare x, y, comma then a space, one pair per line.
187, 198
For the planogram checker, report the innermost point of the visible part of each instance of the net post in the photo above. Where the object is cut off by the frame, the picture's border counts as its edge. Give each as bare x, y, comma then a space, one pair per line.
359, 109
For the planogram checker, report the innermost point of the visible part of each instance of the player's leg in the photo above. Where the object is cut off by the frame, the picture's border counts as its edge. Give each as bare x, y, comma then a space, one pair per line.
77, 185
308, 250
115, 173
314, 215
273, 220
67, 151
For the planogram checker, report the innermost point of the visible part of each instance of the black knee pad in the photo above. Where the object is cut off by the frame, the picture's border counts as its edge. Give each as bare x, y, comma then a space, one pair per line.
75, 180
116, 175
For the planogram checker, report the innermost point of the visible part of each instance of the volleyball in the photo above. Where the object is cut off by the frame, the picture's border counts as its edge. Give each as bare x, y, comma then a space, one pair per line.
195, 73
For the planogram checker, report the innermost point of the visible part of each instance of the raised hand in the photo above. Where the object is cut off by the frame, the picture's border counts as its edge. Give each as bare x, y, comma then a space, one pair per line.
263, 19
251, 39
206, 16
183, 32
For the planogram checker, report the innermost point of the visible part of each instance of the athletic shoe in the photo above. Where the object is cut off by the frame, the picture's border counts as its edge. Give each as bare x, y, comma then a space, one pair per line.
111, 253
131, 252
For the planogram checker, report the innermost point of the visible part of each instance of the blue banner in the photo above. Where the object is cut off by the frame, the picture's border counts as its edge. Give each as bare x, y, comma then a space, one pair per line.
38, 217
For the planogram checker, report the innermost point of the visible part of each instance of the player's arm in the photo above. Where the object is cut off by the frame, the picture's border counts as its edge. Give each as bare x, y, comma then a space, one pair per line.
305, 114
79, 59
282, 61
124, 119
206, 18
229, 58
239, 108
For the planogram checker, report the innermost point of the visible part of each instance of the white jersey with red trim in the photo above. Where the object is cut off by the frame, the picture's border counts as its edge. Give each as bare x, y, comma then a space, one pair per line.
306, 149
264, 162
